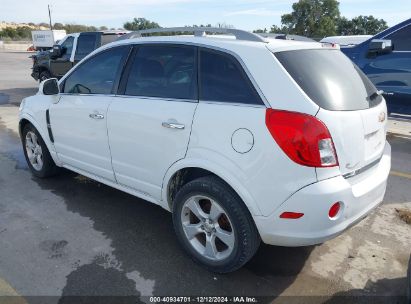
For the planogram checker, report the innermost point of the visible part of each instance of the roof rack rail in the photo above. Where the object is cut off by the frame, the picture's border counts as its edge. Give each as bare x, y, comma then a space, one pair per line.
198, 32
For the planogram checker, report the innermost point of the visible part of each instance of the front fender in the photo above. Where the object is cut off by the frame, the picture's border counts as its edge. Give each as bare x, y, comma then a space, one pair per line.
42, 129
217, 169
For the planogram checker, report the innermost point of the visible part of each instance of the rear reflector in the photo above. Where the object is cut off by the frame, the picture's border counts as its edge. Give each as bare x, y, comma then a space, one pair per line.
334, 210
304, 138
291, 215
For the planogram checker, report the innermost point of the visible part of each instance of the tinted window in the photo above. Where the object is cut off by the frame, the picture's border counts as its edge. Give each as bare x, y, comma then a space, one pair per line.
330, 79
67, 46
223, 79
163, 71
98, 74
401, 39
85, 45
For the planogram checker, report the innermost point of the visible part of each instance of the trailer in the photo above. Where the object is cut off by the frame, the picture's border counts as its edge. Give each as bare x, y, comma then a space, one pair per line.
44, 40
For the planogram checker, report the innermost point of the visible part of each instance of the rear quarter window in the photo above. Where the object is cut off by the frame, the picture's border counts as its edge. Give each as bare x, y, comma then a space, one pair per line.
223, 79
330, 79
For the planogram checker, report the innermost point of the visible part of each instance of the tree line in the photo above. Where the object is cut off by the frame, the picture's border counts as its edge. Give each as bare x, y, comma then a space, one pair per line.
321, 18
24, 32
310, 18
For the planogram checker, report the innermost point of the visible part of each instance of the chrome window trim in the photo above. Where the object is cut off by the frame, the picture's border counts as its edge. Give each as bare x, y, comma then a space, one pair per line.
236, 104
133, 96
85, 94
158, 98
362, 169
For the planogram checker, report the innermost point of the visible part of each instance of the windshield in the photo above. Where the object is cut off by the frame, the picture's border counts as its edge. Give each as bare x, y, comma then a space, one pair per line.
330, 79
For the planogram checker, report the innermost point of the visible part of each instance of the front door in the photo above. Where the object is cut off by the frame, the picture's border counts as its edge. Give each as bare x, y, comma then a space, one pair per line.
60, 66
79, 119
149, 123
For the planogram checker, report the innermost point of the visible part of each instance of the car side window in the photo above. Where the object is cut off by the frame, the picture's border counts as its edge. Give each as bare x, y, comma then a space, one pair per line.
67, 46
98, 74
165, 71
222, 78
401, 39
86, 43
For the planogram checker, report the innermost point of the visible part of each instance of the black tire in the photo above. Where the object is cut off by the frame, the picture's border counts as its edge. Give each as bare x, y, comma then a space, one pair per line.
246, 236
44, 75
48, 168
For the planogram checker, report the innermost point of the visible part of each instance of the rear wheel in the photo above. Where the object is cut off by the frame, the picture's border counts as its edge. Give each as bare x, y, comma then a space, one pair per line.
37, 155
214, 226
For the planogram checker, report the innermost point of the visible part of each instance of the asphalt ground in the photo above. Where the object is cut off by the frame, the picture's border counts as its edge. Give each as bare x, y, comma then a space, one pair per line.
69, 239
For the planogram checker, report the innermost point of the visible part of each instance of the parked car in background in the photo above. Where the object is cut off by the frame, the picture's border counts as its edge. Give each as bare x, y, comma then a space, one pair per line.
346, 40
67, 52
44, 40
386, 60
238, 153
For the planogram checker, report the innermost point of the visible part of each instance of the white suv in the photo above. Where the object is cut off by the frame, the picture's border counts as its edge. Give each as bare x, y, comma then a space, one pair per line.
242, 138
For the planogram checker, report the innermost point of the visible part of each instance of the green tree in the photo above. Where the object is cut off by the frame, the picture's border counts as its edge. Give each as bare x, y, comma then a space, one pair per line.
260, 31
361, 25
279, 29
58, 26
23, 32
312, 18
77, 28
8, 32
140, 24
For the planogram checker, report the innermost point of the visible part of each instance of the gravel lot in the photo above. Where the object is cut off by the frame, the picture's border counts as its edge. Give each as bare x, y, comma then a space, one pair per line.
70, 236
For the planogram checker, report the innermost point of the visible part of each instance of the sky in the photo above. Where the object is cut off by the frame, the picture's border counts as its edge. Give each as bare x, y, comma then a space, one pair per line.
242, 14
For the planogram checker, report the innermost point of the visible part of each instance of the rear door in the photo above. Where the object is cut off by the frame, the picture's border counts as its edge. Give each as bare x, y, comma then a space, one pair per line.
86, 43
149, 122
350, 105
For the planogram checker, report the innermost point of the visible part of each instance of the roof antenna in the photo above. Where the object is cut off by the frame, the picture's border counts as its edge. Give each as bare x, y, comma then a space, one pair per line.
51, 26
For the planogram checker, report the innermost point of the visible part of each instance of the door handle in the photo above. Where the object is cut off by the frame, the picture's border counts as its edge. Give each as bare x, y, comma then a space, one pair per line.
173, 125
96, 116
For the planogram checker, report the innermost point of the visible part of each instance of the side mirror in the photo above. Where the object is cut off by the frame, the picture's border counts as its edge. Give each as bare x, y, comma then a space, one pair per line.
56, 52
49, 87
380, 46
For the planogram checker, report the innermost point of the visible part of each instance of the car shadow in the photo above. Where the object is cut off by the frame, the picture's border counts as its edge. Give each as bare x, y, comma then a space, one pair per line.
143, 240
145, 248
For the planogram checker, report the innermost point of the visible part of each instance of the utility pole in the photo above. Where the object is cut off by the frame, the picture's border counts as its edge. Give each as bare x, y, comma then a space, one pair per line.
51, 26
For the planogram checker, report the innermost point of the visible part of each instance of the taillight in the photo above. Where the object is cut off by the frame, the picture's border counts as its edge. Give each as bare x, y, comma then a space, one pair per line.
334, 210
304, 138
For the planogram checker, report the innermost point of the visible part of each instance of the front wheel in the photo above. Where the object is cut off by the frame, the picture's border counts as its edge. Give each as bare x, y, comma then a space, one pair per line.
36, 153
214, 226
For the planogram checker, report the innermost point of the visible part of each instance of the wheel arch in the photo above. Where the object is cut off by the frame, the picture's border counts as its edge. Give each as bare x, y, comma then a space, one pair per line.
187, 170
28, 119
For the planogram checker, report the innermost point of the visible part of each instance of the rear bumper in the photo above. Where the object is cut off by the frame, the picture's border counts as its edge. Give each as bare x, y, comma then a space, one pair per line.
359, 196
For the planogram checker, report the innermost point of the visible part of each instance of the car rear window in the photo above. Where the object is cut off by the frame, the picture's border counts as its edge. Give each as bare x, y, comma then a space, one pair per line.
330, 79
